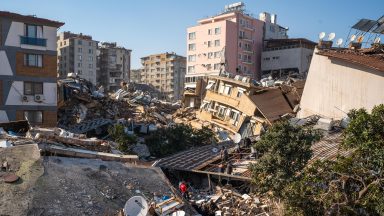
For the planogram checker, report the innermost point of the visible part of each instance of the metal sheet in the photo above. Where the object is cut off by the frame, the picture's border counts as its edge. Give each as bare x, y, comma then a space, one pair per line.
364, 25
379, 29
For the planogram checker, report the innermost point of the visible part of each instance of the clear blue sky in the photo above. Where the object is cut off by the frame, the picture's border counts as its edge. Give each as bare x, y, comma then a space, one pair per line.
154, 26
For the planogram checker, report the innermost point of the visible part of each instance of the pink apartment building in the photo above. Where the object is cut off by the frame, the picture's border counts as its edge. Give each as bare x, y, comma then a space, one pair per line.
231, 41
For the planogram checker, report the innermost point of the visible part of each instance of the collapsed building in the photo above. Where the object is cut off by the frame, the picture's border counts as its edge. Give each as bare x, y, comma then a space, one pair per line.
238, 105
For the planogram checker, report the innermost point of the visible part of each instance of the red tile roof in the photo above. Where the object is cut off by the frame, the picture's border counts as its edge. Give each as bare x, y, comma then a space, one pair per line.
373, 61
30, 19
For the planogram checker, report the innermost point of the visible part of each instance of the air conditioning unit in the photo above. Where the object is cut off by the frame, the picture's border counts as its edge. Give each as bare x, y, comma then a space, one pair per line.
24, 98
39, 98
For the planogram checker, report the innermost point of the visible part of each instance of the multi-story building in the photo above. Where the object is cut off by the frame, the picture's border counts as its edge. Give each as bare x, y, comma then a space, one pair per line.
28, 75
283, 57
238, 106
231, 42
113, 66
76, 54
166, 72
135, 76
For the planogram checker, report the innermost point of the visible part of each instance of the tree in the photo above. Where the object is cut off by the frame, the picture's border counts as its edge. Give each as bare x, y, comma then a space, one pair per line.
352, 185
284, 151
119, 136
178, 137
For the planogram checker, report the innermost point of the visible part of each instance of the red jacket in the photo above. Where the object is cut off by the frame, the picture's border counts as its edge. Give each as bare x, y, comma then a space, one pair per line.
183, 188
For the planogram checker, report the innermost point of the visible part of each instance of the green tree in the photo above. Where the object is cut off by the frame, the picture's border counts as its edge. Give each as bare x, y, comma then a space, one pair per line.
119, 136
352, 185
284, 151
178, 137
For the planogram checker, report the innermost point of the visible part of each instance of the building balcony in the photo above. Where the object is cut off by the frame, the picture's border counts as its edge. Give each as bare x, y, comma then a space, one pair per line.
221, 98
33, 41
247, 62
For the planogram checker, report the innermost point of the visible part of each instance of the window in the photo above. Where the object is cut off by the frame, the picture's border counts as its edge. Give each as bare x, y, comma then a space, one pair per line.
192, 35
217, 42
240, 91
90, 51
80, 49
33, 60
240, 44
191, 69
79, 72
80, 57
209, 43
210, 54
240, 56
192, 58
79, 65
32, 88
33, 116
209, 31
209, 67
90, 43
90, 65
217, 54
33, 31
217, 30
90, 58
192, 47
227, 89
65, 42
80, 42
216, 66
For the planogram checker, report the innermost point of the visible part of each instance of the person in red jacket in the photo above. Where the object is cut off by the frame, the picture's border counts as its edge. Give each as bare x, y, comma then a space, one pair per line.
184, 190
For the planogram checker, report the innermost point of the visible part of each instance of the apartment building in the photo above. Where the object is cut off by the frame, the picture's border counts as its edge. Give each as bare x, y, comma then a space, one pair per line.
166, 72
230, 41
284, 57
76, 53
28, 75
236, 105
135, 76
113, 66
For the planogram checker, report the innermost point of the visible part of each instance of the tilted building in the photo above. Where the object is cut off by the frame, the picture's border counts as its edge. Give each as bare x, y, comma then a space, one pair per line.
113, 66
343, 79
237, 105
76, 53
28, 69
166, 72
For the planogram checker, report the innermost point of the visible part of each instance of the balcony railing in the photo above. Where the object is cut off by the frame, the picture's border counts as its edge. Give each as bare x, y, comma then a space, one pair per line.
33, 41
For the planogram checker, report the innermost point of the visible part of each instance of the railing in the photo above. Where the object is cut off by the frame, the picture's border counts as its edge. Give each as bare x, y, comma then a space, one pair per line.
33, 41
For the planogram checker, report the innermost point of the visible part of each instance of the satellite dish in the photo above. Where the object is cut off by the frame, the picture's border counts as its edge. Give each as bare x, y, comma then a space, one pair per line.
321, 35
353, 37
236, 138
331, 36
178, 213
136, 206
377, 40
339, 42
360, 39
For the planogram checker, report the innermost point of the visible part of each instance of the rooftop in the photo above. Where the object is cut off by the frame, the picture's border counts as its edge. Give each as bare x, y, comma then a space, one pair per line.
369, 57
31, 19
271, 104
277, 43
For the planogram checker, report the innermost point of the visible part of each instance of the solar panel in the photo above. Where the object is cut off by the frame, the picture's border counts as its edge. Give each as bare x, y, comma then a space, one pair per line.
364, 25
379, 29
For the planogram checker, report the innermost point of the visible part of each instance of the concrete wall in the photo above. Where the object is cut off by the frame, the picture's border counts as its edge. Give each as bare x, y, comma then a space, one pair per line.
288, 58
17, 89
333, 87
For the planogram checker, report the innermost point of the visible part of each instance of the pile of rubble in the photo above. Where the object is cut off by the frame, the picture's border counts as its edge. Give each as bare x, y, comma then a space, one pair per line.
227, 201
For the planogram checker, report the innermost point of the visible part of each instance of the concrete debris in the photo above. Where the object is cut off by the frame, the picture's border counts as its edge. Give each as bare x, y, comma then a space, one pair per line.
227, 201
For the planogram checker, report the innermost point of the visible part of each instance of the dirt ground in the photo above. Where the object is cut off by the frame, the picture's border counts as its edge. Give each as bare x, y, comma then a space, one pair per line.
73, 186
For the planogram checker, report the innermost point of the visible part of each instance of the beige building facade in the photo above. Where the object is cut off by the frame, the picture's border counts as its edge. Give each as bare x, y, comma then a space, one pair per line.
341, 80
76, 54
165, 72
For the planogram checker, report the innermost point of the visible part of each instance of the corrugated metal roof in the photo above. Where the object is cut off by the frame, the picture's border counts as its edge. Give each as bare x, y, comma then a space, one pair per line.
328, 148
